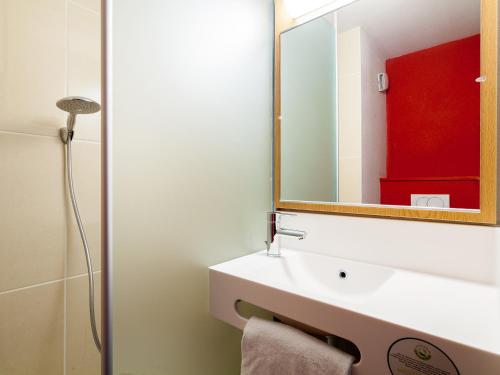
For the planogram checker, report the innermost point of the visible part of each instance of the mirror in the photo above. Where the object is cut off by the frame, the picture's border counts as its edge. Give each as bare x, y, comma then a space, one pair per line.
380, 105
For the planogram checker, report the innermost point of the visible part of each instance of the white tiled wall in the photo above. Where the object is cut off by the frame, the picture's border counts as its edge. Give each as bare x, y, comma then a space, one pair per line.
362, 118
84, 67
374, 120
49, 49
350, 152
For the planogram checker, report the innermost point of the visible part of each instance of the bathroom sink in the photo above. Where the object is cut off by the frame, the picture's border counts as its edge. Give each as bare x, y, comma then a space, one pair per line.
372, 306
316, 275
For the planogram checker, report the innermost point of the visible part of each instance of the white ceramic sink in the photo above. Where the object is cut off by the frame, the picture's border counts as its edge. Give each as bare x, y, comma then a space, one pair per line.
372, 306
321, 276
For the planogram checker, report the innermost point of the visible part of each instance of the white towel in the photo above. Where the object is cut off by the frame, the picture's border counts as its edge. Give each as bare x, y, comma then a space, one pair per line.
270, 348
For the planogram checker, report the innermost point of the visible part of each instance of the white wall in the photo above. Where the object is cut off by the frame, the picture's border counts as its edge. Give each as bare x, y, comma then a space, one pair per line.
350, 125
497, 259
362, 118
393, 24
192, 140
373, 120
467, 252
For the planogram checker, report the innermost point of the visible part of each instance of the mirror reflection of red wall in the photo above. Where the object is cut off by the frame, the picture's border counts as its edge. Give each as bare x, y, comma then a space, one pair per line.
433, 124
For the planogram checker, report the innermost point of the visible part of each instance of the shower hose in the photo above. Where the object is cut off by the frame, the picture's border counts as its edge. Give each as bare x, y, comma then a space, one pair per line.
69, 170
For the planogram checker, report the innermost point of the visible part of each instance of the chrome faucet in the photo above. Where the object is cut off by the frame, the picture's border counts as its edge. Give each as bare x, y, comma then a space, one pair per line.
274, 230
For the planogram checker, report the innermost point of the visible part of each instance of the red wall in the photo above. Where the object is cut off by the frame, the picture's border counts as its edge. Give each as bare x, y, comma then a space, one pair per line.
433, 106
463, 191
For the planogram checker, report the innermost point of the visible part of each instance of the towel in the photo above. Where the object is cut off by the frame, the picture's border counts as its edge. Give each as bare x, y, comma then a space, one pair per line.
270, 348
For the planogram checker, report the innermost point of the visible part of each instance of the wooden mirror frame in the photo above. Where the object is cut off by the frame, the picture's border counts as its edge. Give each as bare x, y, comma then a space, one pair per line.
489, 193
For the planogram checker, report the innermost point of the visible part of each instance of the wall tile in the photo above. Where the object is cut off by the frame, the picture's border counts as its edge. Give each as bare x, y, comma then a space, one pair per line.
32, 72
86, 172
82, 356
349, 52
94, 5
31, 331
350, 183
350, 115
33, 221
349, 72
84, 65
374, 120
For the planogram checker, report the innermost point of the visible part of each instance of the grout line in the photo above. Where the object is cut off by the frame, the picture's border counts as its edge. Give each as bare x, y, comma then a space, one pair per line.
65, 195
349, 157
65, 314
27, 134
77, 4
47, 283
76, 140
31, 286
65, 309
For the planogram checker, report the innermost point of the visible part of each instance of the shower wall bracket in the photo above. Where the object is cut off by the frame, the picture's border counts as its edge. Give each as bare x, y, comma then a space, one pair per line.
64, 134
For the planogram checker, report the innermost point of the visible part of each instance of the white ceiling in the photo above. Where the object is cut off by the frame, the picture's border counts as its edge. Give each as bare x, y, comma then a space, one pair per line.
403, 26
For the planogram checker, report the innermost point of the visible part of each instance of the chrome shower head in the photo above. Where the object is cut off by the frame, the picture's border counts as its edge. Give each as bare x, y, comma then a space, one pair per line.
75, 105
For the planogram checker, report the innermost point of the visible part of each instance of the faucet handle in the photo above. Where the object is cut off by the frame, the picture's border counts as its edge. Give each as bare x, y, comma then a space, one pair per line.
280, 213
274, 217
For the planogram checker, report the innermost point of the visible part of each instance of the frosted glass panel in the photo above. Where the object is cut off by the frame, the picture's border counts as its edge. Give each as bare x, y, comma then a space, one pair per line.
308, 112
192, 140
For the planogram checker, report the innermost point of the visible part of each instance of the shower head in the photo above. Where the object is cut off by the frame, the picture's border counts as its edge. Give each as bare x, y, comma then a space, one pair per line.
75, 105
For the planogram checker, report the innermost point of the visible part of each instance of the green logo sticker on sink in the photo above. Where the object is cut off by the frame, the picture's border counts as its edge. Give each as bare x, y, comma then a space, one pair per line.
418, 357
423, 352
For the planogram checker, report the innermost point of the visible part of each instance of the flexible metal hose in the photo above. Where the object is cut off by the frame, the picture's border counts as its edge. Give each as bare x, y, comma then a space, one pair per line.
69, 169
